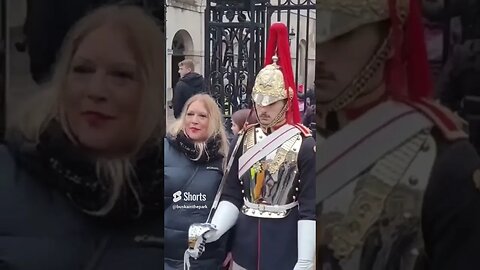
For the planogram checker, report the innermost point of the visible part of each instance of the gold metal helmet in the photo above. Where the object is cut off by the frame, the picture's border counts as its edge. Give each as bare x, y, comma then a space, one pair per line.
269, 85
338, 17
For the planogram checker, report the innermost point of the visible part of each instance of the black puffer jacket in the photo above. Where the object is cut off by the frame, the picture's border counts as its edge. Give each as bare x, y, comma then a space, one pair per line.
188, 86
41, 229
190, 181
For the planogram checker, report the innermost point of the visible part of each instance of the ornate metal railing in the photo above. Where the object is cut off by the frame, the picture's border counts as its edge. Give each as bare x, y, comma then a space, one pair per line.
236, 34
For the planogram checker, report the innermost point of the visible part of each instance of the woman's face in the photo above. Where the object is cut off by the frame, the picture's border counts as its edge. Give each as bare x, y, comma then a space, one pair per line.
197, 121
235, 128
103, 92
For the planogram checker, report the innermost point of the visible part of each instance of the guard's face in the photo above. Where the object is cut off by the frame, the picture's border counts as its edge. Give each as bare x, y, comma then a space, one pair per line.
103, 92
340, 60
197, 121
267, 114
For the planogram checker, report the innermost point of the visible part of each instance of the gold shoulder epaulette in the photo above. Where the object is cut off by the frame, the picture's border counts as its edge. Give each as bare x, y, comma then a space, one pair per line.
305, 130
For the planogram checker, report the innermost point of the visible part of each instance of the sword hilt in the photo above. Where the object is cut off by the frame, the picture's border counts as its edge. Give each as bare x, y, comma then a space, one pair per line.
196, 238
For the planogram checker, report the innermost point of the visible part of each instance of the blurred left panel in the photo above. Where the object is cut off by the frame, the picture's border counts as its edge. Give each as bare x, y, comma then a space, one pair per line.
82, 121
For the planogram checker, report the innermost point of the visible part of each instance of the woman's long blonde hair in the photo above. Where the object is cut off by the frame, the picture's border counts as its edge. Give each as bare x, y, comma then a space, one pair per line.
145, 38
215, 124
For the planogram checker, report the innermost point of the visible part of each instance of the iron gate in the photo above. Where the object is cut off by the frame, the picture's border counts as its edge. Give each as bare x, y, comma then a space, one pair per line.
236, 34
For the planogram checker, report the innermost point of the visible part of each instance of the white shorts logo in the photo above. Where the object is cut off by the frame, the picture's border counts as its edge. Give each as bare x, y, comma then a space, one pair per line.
177, 196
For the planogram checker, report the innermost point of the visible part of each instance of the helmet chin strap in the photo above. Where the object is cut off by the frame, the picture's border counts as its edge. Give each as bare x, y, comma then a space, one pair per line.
280, 117
356, 89
358, 84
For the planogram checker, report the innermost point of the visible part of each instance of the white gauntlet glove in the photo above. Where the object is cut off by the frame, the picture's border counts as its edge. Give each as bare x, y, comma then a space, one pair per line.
306, 245
224, 218
201, 233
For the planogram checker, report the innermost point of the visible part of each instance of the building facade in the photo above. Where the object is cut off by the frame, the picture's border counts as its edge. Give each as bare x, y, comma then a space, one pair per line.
185, 21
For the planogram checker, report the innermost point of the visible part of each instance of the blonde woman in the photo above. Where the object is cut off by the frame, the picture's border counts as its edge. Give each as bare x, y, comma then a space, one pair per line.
195, 151
81, 179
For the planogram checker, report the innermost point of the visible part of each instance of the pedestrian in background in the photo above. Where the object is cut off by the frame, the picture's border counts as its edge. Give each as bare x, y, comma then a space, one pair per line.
308, 117
240, 117
190, 83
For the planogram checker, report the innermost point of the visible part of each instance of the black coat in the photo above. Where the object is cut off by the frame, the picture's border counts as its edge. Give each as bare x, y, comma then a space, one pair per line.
181, 174
41, 229
191, 84
451, 219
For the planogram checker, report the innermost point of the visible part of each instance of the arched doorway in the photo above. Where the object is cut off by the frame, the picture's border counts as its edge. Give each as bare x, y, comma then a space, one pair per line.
182, 46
